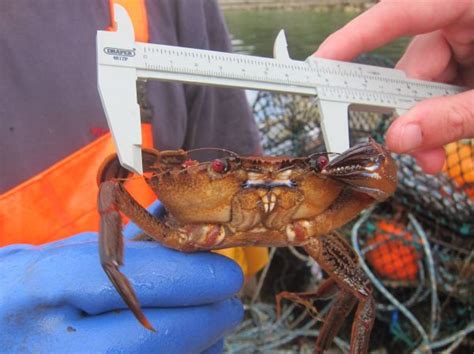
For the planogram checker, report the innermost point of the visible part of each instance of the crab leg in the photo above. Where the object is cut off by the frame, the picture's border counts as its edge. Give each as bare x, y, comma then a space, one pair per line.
114, 198
337, 258
340, 309
325, 291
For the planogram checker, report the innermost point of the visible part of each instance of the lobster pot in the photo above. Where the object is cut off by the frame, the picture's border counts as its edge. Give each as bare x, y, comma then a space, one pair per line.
418, 246
423, 277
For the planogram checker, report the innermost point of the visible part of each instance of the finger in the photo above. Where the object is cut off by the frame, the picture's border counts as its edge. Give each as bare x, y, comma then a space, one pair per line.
178, 330
433, 123
431, 161
160, 277
386, 21
440, 66
10, 250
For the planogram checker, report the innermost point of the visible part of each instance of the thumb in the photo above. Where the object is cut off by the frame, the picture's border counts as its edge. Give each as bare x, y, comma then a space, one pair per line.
433, 123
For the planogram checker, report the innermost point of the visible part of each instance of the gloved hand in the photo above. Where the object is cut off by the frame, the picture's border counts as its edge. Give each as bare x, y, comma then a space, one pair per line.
57, 298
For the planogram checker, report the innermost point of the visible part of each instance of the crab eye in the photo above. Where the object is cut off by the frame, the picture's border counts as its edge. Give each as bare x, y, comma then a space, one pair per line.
319, 162
220, 166
322, 161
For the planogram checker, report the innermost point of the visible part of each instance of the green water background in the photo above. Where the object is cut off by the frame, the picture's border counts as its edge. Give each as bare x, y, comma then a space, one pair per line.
305, 30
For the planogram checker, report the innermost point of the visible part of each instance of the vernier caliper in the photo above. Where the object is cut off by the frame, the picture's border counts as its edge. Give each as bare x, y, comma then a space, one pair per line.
336, 85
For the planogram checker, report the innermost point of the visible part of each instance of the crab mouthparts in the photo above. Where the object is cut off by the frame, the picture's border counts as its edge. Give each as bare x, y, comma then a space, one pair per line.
269, 200
264, 189
264, 183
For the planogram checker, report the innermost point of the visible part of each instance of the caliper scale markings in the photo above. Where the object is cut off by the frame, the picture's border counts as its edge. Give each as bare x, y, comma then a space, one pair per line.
335, 85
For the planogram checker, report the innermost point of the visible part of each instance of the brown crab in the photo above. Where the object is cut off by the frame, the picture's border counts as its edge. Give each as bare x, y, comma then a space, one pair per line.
262, 201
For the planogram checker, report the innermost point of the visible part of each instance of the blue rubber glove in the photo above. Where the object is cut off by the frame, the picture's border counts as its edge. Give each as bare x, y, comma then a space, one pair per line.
57, 298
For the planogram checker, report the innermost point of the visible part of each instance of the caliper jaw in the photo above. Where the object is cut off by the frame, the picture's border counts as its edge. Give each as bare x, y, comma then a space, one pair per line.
118, 90
333, 115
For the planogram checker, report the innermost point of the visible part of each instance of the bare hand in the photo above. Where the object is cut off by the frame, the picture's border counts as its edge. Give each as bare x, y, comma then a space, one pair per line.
442, 50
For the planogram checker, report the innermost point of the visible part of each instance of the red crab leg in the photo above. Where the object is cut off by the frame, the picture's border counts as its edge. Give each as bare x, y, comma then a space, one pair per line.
337, 258
114, 198
340, 309
347, 206
325, 291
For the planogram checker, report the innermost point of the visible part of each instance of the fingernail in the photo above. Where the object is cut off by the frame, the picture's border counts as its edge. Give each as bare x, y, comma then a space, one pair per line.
411, 137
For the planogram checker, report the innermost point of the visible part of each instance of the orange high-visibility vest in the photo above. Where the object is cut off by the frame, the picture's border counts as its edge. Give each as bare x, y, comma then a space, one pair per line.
62, 200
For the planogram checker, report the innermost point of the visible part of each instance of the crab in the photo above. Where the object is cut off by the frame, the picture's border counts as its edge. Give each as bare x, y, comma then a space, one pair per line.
233, 201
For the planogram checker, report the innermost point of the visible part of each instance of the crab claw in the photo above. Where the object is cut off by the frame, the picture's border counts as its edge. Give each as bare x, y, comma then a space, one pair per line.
366, 167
